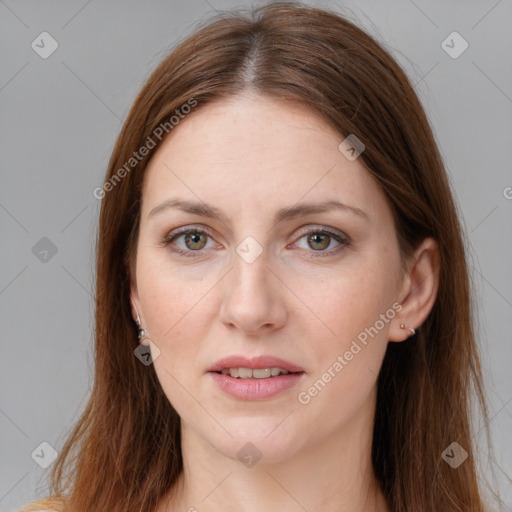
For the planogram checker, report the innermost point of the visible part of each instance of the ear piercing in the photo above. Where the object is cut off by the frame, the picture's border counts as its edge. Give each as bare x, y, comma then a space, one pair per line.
142, 332
412, 331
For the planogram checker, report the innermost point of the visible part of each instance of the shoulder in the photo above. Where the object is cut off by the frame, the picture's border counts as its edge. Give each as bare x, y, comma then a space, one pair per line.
35, 508
50, 504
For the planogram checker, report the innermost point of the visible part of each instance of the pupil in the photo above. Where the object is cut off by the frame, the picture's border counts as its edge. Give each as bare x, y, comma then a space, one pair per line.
194, 238
314, 239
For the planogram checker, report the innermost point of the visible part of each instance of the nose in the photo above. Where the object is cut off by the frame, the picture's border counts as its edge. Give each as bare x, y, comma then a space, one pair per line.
254, 299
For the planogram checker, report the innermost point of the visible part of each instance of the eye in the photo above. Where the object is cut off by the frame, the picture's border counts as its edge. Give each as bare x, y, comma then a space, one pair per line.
319, 239
194, 240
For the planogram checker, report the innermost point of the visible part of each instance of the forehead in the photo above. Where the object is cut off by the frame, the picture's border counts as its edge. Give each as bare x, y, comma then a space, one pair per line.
256, 149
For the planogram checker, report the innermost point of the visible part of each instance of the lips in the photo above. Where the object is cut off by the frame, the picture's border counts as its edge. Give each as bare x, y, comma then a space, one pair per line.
259, 362
258, 386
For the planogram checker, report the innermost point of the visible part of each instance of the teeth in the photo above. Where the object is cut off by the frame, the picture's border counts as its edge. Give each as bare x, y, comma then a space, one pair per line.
243, 373
261, 374
257, 373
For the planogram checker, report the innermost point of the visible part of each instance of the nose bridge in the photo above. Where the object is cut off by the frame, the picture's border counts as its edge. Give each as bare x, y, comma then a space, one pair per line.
250, 280
251, 299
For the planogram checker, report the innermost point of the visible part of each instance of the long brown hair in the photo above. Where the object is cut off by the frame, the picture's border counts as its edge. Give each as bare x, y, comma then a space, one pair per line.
124, 453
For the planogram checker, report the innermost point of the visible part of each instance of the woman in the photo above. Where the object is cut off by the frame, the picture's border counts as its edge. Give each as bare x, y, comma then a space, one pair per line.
278, 226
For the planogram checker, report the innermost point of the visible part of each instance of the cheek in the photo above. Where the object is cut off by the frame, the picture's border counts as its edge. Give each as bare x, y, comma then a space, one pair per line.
346, 364
356, 311
173, 296
351, 302
176, 321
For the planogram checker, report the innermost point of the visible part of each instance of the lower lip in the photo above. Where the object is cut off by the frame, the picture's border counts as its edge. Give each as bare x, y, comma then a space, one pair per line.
256, 389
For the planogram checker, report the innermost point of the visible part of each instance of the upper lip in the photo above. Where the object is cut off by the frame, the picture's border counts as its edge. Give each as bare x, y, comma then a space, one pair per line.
263, 361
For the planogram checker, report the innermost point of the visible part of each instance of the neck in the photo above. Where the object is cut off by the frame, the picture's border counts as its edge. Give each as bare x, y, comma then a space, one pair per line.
333, 474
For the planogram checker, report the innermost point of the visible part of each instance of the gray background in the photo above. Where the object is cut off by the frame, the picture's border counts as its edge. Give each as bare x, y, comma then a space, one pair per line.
59, 119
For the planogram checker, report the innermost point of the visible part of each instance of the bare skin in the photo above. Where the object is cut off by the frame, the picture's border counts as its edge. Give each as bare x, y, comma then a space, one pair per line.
249, 157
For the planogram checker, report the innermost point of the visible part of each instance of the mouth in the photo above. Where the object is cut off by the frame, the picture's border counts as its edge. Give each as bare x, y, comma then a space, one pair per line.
259, 367
259, 378
254, 373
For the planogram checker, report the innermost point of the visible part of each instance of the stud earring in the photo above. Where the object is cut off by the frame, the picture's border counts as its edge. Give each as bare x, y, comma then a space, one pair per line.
142, 334
412, 331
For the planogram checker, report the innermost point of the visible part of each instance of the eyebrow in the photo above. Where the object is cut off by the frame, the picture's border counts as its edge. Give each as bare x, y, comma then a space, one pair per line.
206, 210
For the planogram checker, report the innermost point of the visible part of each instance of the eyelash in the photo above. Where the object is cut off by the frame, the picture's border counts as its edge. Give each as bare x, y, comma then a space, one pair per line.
167, 241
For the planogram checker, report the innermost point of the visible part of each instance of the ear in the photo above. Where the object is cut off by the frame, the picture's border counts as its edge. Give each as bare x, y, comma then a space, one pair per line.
418, 290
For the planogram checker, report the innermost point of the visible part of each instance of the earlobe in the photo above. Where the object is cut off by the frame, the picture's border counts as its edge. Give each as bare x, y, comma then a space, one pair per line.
421, 286
137, 317
143, 335
134, 296
412, 330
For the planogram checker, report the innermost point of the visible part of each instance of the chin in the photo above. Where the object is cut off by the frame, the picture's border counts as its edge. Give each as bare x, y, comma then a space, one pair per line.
262, 443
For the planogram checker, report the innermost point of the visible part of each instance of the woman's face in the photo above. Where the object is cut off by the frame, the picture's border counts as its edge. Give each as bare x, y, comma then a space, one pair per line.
259, 284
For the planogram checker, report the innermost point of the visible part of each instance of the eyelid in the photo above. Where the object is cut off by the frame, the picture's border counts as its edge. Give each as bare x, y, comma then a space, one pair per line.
176, 233
187, 228
311, 228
